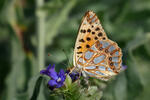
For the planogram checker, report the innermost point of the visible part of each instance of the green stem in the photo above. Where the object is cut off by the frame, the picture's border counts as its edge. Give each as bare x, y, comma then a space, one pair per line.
41, 33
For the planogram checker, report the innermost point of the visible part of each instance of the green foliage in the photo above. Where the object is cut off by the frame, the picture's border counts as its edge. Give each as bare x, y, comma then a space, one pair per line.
36, 89
76, 91
29, 30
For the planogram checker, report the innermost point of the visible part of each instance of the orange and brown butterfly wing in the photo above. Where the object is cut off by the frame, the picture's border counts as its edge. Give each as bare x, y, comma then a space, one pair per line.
89, 32
94, 53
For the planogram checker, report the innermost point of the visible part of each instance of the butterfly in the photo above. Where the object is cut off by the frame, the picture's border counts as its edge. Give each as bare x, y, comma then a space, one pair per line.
94, 54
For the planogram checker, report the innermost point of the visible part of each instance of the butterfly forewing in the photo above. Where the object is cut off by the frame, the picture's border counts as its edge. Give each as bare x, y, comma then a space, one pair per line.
94, 53
89, 32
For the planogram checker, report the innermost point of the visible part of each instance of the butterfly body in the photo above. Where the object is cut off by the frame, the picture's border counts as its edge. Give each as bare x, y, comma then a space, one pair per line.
94, 53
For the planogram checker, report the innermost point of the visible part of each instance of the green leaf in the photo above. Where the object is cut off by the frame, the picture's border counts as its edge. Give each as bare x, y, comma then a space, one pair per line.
68, 81
34, 87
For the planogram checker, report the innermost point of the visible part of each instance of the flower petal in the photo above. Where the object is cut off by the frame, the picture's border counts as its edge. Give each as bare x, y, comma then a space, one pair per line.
57, 79
59, 85
62, 75
53, 75
51, 68
52, 83
44, 72
50, 71
48, 67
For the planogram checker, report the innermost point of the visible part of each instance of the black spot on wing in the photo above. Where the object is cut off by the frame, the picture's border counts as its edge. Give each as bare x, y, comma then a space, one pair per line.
97, 29
81, 40
88, 38
87, 46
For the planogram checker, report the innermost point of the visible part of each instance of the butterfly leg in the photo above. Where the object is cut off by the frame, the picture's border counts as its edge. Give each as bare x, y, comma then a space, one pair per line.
71, 70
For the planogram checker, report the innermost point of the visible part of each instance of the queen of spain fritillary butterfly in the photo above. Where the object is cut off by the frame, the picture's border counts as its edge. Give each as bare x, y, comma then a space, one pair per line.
94, 54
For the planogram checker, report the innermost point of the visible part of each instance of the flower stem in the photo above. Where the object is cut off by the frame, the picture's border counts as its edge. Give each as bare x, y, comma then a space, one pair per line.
41, 33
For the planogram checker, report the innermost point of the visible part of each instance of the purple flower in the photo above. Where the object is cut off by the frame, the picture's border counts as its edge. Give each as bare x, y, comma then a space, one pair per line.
74, 75
57, 79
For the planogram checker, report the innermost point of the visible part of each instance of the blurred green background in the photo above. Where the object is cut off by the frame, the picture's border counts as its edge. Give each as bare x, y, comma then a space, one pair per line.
32, 29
